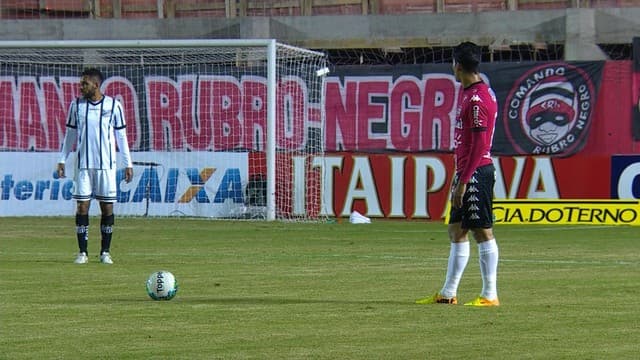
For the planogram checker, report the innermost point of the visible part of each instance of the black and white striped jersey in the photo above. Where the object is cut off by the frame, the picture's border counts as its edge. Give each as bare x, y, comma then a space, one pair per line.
95, 129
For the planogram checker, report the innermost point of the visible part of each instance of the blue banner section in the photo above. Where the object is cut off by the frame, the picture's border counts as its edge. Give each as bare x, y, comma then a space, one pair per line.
625, 177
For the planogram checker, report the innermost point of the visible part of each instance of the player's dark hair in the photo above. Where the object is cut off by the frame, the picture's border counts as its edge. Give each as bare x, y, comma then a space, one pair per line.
94, 73
468, 55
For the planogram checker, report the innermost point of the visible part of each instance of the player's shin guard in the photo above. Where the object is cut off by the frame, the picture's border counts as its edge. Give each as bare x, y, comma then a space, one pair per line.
106, 230
82, 232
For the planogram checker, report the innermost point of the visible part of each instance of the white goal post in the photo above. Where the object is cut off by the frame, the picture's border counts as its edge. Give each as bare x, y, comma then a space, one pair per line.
228, 128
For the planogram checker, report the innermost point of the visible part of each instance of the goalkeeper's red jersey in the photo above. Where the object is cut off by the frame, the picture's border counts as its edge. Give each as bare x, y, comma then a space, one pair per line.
475, 124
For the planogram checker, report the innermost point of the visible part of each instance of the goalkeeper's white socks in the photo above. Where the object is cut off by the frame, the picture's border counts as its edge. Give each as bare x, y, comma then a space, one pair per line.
458, 258
488, 251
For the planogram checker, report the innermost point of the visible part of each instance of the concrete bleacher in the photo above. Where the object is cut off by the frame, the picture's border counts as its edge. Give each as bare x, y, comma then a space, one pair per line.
137, 9
575, 29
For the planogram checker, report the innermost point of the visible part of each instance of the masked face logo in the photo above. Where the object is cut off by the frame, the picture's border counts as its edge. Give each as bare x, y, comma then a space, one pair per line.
549, 110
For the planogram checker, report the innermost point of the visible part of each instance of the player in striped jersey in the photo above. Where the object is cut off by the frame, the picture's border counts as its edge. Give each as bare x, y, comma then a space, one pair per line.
94, 125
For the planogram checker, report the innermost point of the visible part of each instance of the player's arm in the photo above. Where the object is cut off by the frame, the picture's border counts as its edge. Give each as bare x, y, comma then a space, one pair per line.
70, 137
478, 143
120, 127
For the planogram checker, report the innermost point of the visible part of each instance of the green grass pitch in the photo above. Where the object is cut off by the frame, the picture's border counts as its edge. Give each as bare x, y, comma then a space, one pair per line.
256, 290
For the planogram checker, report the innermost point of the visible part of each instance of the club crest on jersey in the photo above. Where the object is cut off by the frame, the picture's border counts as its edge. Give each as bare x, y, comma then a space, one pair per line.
549, 110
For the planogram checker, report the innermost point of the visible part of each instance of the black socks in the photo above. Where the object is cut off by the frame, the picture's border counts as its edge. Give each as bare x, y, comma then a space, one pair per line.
82, 232
106, 230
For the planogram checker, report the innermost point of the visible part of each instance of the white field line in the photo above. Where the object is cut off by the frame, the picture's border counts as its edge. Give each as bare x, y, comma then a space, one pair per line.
177, 256
516, 261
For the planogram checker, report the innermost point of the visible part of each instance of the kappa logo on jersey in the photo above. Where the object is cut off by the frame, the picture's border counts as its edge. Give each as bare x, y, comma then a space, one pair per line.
549, 110
476, 98
476, 114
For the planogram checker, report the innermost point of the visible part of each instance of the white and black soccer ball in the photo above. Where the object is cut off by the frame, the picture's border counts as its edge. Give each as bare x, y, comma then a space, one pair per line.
162, 285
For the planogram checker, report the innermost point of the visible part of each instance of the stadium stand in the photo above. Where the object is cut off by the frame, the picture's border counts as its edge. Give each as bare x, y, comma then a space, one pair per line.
352, 32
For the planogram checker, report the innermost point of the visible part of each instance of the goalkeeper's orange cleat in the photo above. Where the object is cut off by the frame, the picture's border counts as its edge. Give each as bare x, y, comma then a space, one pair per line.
481, 301
437, 299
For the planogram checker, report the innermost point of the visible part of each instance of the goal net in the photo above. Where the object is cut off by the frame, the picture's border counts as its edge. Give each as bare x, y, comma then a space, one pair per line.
216, 128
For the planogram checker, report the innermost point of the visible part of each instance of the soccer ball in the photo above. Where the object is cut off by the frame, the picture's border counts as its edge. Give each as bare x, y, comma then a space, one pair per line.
162, 285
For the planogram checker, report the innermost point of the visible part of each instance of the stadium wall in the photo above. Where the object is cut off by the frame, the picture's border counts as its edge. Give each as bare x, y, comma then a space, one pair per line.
581, 31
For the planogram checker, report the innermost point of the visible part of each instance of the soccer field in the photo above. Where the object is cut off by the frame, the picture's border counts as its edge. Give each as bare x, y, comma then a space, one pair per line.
256, 290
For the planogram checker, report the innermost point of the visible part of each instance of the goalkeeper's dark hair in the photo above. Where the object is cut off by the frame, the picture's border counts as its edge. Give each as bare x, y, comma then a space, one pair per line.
94, 73
468, 55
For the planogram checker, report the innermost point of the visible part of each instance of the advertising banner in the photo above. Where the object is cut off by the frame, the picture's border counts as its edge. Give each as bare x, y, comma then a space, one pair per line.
544, 108
189, 111
398, 185
205, 184
625, 177
567, 212
635, 91
417, 186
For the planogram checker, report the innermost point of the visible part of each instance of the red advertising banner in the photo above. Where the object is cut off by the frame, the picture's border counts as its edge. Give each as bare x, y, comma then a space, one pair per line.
585, 106
406, 185
544, 108
416, 186
635, 90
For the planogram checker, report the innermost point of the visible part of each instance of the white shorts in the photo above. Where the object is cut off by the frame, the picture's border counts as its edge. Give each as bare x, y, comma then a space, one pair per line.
95, 183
